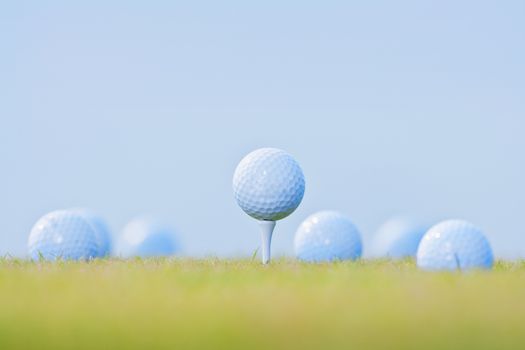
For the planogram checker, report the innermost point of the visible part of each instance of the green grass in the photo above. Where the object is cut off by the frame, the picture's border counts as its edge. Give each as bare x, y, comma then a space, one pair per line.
232, 304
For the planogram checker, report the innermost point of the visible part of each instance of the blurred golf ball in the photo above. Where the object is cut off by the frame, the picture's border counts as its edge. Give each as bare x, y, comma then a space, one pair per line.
102, 231
454, 245
398, 238
63, 234
146, 237
268, 184
327, 236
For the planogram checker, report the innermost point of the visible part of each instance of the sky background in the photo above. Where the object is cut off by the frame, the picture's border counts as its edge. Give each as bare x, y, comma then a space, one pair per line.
396, 107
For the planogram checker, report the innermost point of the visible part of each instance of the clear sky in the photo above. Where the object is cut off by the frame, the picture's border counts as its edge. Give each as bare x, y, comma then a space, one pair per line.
133, 107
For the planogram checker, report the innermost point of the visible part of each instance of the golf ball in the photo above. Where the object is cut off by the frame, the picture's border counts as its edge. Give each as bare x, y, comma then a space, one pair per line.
146, 237
268, 184
327, 236
398, 238
63, 234
102, 231
454, 245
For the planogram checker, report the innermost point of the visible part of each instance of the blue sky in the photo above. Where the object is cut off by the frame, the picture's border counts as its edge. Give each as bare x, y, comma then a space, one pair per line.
131, 108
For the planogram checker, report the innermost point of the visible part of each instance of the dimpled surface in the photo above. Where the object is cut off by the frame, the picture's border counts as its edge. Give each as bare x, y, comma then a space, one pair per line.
268, 184
398, 238
327, 236
454, 245
146, 237
63, 234
103, 234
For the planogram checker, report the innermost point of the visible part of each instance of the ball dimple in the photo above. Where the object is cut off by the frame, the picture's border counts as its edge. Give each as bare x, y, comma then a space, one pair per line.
268, 184
327, 236
454, 245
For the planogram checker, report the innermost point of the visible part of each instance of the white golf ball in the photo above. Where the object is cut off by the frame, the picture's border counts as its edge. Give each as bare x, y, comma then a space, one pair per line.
102, 231
146, 237
63, 234
327, 236
268, 184
398, 238
454, 245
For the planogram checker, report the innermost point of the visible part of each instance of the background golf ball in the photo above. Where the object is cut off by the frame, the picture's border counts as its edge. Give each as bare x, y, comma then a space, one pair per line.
102, 231
146, 237
454, 245
398, 238
64, 234
268, 184
327, 236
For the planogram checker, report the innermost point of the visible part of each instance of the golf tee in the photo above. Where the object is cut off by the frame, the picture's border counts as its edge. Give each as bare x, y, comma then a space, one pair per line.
266, 239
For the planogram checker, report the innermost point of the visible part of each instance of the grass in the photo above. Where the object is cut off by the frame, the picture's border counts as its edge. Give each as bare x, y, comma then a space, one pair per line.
239, 304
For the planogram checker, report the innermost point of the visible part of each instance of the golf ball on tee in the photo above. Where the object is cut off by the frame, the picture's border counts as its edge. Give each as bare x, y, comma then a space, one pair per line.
327, 236
146, 237
454, 245
63, 234
268, 184
398, 238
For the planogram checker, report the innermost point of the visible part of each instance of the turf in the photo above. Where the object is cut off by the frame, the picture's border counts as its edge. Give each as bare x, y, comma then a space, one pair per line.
238, 304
